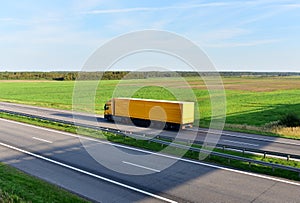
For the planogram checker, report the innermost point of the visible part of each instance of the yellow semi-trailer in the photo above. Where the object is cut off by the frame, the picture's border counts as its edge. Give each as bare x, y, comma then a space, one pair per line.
148, 112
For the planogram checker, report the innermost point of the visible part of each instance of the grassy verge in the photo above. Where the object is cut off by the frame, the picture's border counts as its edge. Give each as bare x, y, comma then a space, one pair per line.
171, 150
280, 132
16, 186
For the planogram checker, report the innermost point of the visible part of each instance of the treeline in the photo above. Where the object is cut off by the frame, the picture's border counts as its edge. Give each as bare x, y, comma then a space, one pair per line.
117, 75
38, 75
67, 76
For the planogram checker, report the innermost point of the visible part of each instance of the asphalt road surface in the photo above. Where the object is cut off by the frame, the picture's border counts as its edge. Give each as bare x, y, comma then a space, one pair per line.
251, 141
106, 172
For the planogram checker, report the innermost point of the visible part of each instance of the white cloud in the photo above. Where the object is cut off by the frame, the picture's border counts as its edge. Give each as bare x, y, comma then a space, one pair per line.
243, 44
292, 5
6, 19
139, 9
86, 4
224, 34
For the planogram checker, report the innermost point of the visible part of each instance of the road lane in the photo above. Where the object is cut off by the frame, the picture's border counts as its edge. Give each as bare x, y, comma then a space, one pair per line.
183, 181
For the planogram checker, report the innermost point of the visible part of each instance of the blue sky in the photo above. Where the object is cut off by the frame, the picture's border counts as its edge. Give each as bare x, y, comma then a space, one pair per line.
254, 35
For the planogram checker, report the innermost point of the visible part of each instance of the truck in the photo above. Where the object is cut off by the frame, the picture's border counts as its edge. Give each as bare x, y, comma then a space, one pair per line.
150, 113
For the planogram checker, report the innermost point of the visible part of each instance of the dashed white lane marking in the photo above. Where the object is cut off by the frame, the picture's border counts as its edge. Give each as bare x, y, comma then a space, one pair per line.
140, 166
43, 140
242, 143
88, 173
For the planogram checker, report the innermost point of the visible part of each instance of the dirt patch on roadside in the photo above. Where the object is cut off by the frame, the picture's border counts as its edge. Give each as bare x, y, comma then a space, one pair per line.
292, 132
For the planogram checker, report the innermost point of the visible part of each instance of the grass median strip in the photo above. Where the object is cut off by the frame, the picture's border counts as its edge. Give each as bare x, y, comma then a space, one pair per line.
16, 186
144, 144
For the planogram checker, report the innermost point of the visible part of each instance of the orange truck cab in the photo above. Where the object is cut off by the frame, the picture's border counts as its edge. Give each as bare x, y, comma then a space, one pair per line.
108, 111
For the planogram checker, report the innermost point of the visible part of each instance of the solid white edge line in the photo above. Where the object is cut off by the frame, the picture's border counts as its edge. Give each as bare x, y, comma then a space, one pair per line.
87, 173
244, 143
140, 166
162, 155
43, 140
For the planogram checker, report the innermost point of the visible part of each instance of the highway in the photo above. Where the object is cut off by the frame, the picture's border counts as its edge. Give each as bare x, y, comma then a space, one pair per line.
251, 141
70, 161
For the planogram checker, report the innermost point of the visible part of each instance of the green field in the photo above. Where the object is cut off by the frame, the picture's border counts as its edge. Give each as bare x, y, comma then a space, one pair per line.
252, 102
